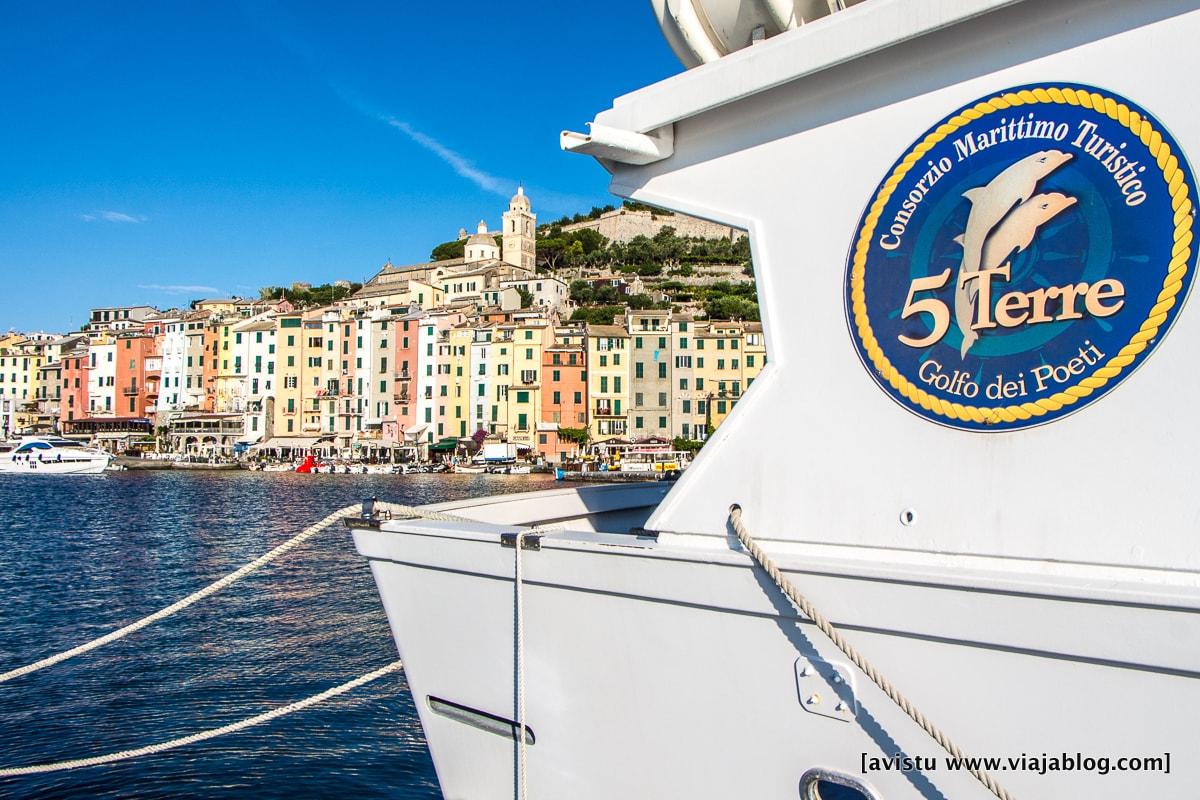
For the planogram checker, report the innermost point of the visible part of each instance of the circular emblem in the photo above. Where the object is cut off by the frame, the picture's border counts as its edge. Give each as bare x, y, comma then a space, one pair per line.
1022, 258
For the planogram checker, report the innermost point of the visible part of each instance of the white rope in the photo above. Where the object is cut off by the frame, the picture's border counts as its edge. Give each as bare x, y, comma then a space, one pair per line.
809, 610
216, 586
518, 586
182, 741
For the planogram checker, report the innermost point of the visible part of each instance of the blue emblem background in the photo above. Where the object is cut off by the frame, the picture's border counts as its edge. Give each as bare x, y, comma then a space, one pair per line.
1100, 236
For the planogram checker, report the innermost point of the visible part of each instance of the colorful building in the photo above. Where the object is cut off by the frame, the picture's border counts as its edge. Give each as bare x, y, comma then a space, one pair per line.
650, 382
564, 394
608, 381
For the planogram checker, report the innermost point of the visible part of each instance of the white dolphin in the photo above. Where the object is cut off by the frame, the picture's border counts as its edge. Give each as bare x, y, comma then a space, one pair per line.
989, 205
1016, 232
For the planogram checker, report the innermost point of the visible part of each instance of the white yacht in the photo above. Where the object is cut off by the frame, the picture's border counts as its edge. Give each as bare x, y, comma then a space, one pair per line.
40, 455
973, 227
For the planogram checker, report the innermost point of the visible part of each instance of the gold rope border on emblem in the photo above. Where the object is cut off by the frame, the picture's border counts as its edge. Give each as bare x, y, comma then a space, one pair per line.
1177, 268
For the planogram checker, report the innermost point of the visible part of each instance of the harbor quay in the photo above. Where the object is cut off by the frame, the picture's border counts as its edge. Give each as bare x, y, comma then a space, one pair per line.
422, 363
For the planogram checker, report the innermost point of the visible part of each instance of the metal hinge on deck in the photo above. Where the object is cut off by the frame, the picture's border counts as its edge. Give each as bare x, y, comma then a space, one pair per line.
529, 542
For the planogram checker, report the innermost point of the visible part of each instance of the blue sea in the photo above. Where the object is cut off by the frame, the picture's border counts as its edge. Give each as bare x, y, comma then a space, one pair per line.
83, 555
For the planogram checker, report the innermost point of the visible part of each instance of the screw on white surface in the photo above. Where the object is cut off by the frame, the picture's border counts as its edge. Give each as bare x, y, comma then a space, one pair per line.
908, 517
814, 699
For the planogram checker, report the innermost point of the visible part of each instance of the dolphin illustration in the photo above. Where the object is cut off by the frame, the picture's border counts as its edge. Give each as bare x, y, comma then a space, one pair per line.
1016, 232
989, 205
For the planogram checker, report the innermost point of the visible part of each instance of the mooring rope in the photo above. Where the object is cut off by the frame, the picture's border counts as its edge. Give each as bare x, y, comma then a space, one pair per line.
217, 585
809, 610
183, 741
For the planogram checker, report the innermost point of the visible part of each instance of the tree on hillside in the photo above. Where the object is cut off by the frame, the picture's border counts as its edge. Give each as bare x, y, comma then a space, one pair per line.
597, 315
448, 250
314, 296
581, 292
729, 307
558, 249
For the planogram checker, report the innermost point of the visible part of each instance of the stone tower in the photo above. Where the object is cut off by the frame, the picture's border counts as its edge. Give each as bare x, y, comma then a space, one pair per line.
519, 226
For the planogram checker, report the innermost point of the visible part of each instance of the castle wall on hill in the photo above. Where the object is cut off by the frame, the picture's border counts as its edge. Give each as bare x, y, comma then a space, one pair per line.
624, 224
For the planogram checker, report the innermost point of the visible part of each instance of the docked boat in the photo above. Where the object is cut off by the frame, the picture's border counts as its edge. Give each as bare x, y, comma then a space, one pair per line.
971, 223
470, 469
654, 460
509, 469
54, 455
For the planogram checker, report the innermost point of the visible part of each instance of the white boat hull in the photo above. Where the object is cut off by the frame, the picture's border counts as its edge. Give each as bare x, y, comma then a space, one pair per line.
659, 669
10, 465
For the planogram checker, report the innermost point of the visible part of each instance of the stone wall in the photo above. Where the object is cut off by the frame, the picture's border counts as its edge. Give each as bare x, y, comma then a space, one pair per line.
623, 224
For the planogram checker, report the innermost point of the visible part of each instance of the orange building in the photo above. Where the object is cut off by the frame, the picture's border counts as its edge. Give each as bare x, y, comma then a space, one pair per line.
139, 370
73, 403
564, 393
210, 362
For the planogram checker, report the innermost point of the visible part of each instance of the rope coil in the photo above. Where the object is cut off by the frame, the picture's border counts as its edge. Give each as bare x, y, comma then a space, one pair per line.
809, 610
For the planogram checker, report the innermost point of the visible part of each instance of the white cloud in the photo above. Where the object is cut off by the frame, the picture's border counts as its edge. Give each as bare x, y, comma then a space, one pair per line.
489, 183
113, 216
180, 288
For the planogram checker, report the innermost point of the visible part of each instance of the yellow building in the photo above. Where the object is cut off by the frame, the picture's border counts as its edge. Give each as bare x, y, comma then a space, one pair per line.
228, 378
314, 374
458, 381
727, 357
20, 366
608, 381
530, 337
289, 349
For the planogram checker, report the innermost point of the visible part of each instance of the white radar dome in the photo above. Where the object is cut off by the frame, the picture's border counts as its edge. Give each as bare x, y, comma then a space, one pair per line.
700, 31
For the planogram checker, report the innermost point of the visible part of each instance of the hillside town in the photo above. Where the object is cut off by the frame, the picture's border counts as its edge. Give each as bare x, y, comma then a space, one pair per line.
487, 345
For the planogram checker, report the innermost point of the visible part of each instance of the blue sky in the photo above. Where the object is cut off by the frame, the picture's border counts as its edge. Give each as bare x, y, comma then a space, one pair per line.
155, 152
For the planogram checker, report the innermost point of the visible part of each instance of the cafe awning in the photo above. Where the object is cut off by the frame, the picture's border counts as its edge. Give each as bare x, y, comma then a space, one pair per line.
445, 445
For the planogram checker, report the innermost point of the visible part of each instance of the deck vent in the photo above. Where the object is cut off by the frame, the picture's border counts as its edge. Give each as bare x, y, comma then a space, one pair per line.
491, 723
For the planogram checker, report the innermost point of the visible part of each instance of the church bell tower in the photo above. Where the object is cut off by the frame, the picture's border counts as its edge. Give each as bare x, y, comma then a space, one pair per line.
520, 224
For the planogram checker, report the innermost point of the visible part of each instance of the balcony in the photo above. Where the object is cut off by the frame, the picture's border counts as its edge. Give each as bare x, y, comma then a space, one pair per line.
130, 391
209, 427
402, 375
400, 397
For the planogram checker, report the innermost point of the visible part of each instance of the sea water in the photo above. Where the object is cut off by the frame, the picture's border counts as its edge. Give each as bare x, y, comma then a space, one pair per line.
83, 555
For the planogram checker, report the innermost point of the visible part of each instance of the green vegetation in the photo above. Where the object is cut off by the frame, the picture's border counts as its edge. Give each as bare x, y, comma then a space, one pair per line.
686, 445
456, 249
448, 250
585, 294
576, 435
526, 297
645, 256
557, 249
597, 315
315, 296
